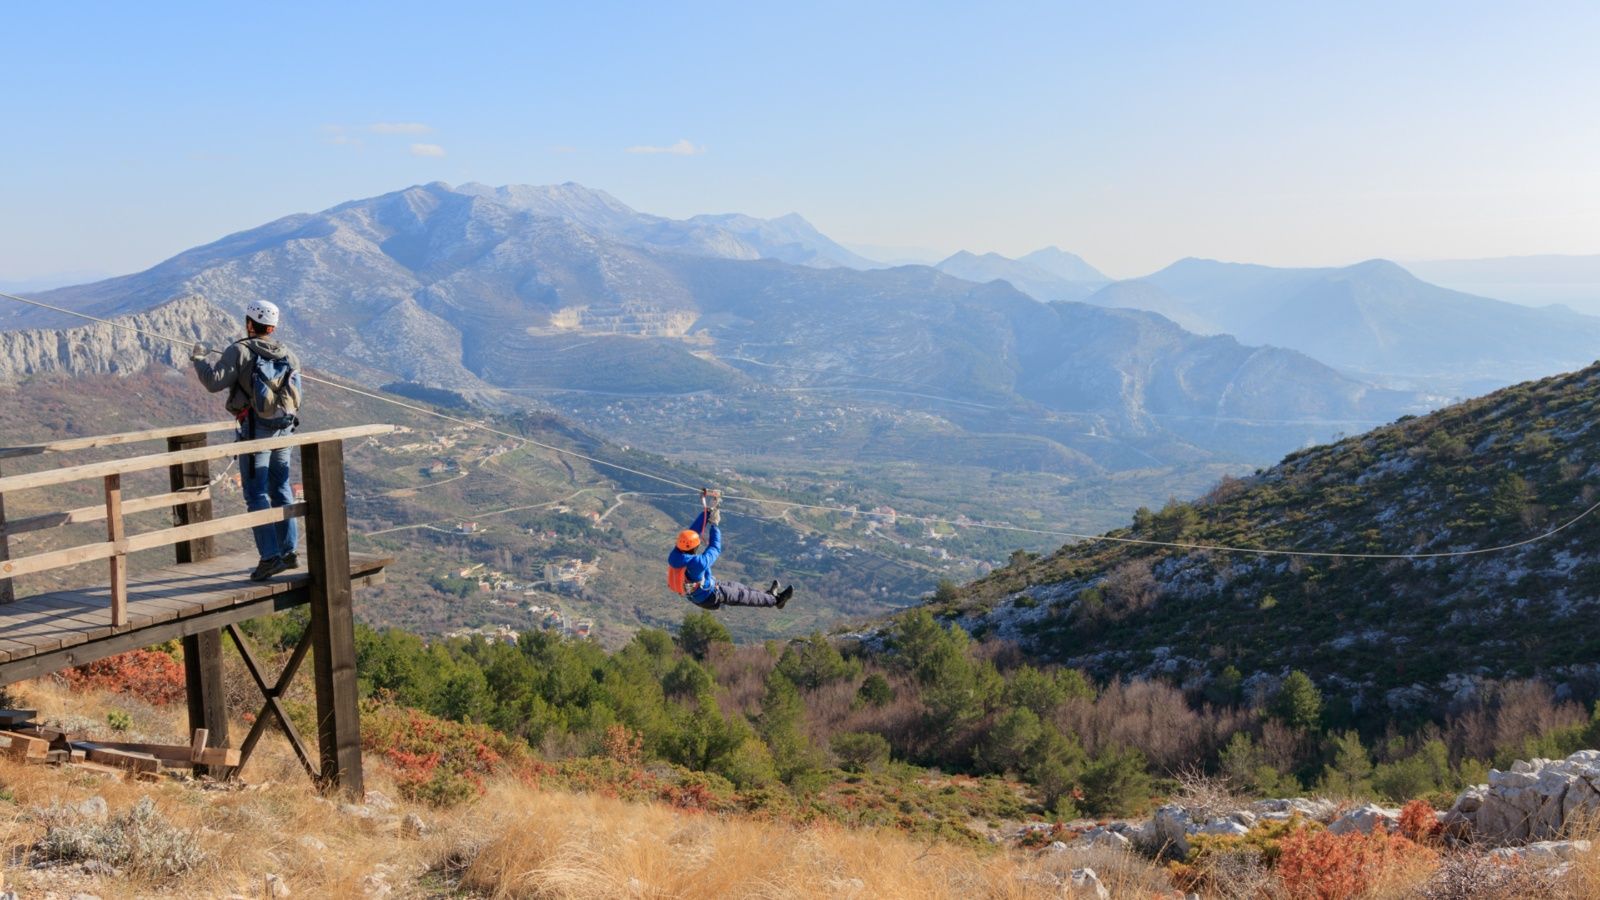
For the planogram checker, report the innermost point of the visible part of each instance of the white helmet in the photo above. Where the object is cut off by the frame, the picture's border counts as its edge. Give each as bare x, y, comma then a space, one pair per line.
263, 312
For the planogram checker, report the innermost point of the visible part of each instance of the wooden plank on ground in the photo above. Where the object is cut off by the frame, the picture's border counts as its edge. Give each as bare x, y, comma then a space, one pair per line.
22, 747
122, 759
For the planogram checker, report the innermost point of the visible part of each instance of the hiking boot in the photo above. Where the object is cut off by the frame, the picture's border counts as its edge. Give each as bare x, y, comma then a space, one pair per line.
784, 595
773, 587
290, 560
268, 568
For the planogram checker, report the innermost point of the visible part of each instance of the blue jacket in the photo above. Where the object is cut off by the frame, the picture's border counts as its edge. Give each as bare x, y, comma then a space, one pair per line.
697, 566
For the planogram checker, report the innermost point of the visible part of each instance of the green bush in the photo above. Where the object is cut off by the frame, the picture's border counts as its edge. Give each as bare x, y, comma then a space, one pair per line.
699, 631
860, 751
875, 690
1116, 783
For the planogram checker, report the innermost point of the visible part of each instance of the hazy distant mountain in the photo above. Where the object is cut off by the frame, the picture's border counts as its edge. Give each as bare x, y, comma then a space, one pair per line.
1530, 280
788, 238
1374, 318
1049, 274
567, 289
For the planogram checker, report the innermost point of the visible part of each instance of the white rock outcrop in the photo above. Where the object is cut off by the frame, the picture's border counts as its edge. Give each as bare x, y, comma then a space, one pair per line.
1365, 819
1533, 801
1085, 883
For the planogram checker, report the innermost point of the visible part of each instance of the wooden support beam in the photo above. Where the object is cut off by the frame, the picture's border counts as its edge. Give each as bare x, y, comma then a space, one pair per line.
119, 562
205, 690
273, 708
68, 474
332, 618
112, 440
189, 477
12, 717
8, 589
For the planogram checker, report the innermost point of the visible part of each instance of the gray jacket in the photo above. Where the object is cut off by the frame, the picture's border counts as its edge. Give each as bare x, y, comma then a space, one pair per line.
232, 372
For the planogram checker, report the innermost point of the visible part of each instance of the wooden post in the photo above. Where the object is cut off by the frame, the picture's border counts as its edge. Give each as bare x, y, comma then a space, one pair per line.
202, 652
119, 562
327, 543
191, 475
8, 593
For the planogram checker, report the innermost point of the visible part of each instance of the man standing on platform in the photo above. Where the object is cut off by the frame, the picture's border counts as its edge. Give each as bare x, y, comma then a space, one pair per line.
262, 378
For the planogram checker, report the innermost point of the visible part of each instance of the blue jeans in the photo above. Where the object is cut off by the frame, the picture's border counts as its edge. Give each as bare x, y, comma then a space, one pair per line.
265, 479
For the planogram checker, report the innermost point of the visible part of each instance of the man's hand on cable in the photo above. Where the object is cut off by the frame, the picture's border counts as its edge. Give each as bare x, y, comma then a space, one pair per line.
199, 351
714, 516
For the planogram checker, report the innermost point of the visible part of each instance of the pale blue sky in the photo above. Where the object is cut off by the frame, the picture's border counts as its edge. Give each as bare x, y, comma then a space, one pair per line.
1134, 134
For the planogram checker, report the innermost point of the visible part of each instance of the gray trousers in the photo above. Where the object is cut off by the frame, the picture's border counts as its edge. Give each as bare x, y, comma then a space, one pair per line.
732, 593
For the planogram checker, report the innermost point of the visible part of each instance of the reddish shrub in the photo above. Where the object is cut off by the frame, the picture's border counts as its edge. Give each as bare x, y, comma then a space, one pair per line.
1321, 865
1419, 821
437, 761
150, 675
623, 745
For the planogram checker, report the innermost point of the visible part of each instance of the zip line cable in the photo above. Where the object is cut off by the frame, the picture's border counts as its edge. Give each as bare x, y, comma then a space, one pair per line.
791, 504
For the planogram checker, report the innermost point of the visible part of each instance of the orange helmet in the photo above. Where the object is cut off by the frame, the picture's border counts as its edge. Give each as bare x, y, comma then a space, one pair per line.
688, 540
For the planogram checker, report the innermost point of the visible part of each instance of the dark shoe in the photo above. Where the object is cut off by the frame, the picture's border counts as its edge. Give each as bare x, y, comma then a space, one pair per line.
773, 587
290, 560
784, 595
268, 568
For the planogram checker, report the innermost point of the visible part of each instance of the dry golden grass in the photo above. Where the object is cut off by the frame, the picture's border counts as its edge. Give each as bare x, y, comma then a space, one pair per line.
538, 844
515, 842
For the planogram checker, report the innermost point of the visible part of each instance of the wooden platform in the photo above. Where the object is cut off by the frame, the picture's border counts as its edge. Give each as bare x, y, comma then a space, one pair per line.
48, 632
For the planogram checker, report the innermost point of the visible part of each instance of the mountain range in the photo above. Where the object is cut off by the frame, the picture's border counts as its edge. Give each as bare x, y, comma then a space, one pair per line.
1572, 281
1373, 320
1048, 274
493, 290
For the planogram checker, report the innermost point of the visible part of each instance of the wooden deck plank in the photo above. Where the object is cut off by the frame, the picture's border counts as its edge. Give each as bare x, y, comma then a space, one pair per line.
59, 621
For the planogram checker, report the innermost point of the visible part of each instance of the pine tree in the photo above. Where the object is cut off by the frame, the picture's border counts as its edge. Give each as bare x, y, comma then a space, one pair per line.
1299, 703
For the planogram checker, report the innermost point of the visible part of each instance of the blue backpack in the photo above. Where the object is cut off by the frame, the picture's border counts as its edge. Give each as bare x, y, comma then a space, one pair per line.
274, 389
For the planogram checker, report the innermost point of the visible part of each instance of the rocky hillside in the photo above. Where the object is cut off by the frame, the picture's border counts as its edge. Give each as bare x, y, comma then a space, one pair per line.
98, 349
1390, 638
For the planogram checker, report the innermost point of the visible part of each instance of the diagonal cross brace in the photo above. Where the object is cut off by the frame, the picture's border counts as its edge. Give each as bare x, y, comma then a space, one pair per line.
274, 706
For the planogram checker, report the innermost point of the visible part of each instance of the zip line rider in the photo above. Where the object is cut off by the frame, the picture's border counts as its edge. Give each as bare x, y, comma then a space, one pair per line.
689, 566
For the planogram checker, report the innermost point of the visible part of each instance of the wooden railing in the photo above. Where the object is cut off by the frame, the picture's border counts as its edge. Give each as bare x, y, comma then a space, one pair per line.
190, 500
177, 436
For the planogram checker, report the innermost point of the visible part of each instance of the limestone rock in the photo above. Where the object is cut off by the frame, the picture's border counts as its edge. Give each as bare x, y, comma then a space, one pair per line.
1224, 826
1170, 827
1085, 883
1366, 818
1533, 801
1105, 837
412, 826
275, 886
1543, 853
1279, 810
